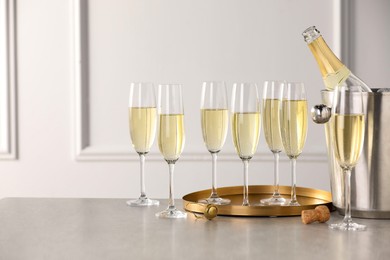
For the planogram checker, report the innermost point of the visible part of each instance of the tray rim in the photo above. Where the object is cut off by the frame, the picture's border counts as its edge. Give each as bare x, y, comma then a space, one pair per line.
258, 211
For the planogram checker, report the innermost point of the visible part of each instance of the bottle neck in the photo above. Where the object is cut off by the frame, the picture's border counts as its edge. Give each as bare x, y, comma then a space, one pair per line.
326, 59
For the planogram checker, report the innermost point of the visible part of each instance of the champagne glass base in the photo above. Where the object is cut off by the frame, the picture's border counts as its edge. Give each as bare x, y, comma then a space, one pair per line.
348, 226
215, 200
171, 213
291, 203
142, 202
273, 201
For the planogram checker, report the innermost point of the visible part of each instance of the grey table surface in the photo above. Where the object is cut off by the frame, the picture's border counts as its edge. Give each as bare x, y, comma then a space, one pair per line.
51, 228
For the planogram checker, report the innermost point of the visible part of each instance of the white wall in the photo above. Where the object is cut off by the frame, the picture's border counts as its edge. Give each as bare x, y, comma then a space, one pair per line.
71, 117
370, 41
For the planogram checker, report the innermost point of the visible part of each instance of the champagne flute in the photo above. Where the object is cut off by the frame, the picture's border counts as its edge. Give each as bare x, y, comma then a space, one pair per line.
171, 137
214, 118
245, 126
293, 126
142, 126
272, 95
347, 133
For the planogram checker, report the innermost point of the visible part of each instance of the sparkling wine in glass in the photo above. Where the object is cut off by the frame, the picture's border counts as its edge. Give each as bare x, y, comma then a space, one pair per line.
347, 133
215, 120
171, 137
293, 125
245, 121
142, 126
272, 96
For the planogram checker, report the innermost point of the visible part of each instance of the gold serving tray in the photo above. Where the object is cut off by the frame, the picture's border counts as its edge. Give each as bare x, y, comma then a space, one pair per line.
307, 197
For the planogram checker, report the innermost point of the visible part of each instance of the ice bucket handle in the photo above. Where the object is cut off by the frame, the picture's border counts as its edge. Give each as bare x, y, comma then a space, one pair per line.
321, 114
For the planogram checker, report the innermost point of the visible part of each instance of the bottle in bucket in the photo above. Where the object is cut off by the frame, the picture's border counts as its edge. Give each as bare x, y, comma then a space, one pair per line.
333, 71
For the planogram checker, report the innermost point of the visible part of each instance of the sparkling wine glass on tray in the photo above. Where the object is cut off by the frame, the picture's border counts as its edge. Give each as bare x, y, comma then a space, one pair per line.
215, 121
142, 125
293, 125
272, 96
245, 110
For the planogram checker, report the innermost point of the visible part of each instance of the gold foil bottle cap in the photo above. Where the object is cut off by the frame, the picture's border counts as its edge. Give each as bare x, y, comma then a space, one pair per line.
210, 212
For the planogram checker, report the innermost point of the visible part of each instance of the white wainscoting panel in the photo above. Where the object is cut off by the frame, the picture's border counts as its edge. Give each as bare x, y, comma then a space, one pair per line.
187, 42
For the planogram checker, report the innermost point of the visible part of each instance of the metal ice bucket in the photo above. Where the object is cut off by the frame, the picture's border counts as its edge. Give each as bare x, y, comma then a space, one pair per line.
370, 180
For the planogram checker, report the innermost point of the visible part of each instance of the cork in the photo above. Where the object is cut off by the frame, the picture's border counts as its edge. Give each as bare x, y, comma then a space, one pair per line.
320, 214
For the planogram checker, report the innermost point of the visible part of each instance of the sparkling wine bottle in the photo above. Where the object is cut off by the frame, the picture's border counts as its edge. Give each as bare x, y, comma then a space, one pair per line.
333, 71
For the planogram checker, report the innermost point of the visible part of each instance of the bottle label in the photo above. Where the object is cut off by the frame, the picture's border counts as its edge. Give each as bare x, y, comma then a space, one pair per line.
331, 80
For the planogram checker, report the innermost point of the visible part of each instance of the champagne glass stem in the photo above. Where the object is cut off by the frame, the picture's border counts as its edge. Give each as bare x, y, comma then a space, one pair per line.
142, 200
171, 201
347, 196
214, 176
294, 181
276, 174
245, 192
142, 172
